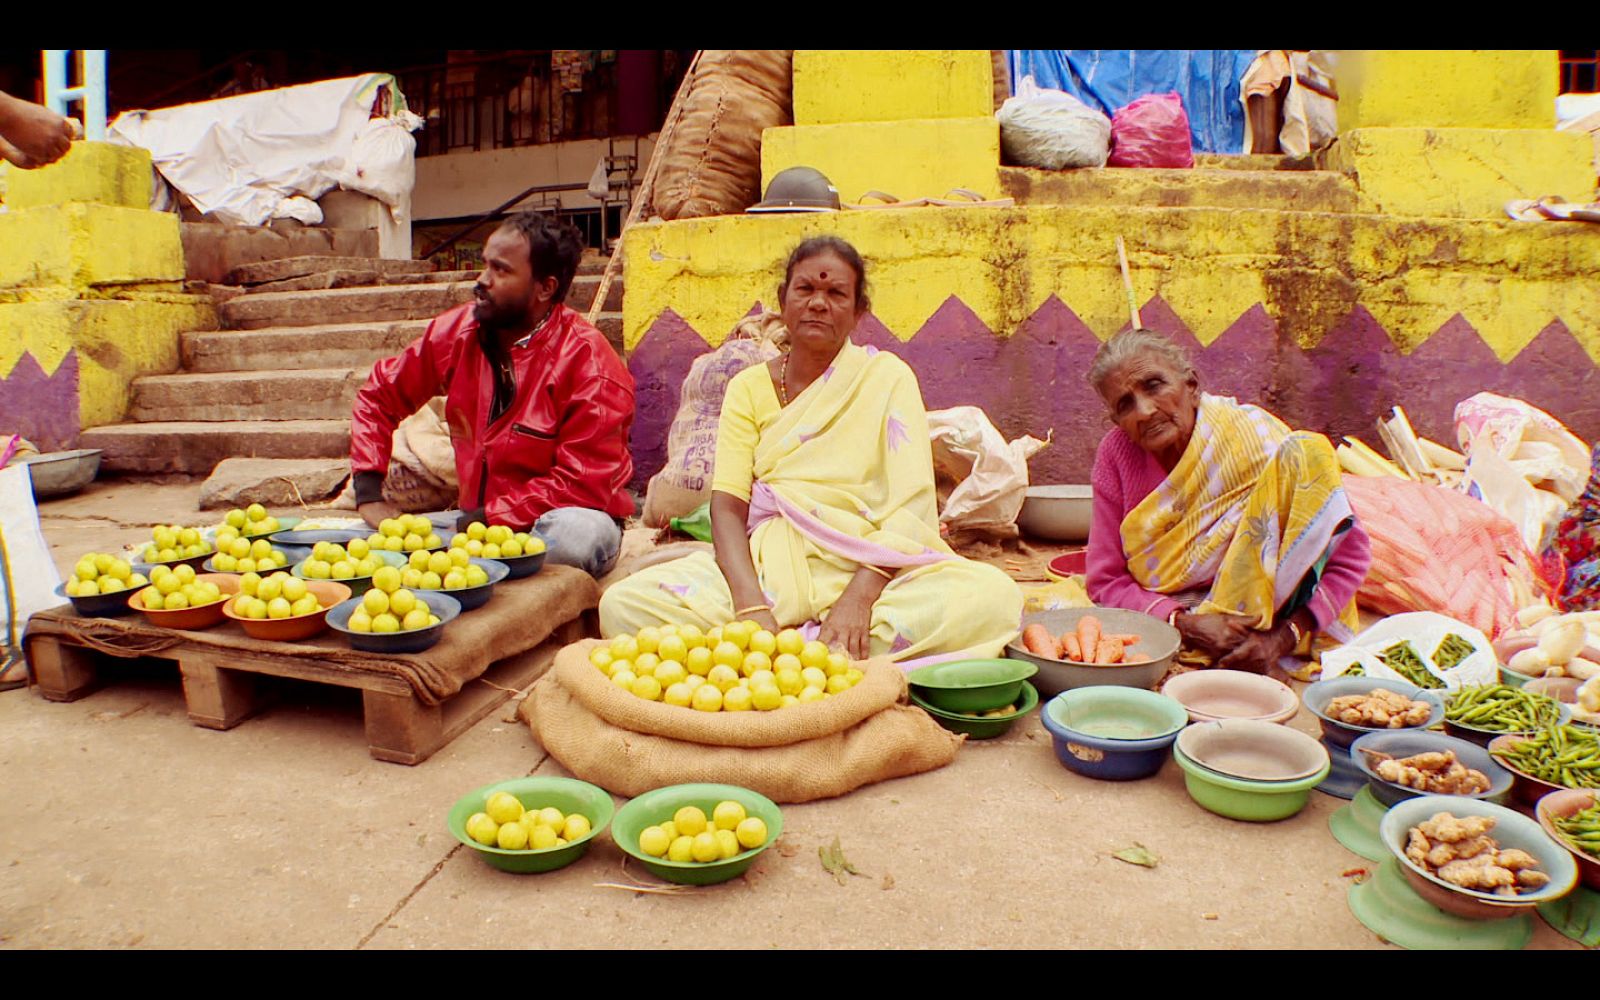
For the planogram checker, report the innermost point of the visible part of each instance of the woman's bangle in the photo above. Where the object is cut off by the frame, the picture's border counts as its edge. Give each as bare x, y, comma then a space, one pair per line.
750, 610
1294, 630
881, 572
1172, 619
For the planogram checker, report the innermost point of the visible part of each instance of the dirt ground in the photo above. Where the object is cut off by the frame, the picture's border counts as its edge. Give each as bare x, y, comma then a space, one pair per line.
123, 826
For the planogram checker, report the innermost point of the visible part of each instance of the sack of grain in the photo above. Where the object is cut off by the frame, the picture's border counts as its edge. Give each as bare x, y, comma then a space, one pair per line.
628, 745
712, 162
684, 483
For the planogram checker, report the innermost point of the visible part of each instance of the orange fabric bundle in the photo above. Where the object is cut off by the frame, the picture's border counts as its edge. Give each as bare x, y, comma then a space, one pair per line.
1434, 549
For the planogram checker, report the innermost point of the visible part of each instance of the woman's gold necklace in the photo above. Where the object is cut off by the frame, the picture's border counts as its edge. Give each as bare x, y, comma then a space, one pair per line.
783, 381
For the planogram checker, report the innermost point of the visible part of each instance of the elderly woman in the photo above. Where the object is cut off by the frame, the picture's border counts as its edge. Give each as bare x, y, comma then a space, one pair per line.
823, 509
1213, 515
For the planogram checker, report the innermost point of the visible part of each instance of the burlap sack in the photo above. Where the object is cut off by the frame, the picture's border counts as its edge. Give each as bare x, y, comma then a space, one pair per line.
684, 482
712, 164
628, 745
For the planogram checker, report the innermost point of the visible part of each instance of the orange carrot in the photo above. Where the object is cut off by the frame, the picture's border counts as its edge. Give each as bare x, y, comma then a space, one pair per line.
1109, 651
1038, 641
1127, 639
1089, 636
1070, 649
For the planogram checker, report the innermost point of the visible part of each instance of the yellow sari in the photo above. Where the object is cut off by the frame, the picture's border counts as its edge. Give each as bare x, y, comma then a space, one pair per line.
841, 477
1250, 513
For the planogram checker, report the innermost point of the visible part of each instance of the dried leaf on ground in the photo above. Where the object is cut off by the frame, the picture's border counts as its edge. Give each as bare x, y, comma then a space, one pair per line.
788, 848
888, 882
1138, 854
835, 862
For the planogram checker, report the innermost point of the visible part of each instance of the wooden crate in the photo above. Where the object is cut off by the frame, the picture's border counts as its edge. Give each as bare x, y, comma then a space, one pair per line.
220, 690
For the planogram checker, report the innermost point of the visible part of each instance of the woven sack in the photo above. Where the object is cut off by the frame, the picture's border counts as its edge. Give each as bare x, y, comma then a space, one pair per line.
629, 746
684, 482
1002, 76
712, 163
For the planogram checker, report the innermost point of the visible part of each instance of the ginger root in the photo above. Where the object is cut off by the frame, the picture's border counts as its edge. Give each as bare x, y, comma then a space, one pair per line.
1379, 709
1451, 829
1460, 852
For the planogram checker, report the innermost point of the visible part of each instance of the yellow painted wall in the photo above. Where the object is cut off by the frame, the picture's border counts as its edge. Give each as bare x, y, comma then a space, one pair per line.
90, 172
80, 244
833, 86
916, 158
1447, 88
1463, 172
1309, 270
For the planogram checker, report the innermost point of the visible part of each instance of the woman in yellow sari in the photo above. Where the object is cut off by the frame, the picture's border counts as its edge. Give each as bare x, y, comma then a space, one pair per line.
823, 510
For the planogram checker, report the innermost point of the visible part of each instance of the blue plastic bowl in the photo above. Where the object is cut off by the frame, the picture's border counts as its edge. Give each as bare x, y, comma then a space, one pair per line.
1404, 743
446, 607
1108, 757
520, 566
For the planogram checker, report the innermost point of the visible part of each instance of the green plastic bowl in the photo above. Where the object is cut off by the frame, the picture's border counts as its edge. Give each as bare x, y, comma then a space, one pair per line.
971, 685
981, 729
1240, 798
567, 794
660, 805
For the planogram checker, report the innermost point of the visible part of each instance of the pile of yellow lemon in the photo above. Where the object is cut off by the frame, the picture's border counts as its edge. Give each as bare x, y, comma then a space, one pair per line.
175, 589
170, 543
688, 836
99, 573
337, 562
496, 542
406, 533
237, 554
451, 570
505, 824
731, 668
251, 520
389, 607
277, 596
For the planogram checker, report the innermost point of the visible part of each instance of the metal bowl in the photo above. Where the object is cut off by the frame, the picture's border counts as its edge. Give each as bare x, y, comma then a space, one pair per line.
1408, 742
1060, 513
1158, 644
1342, 734
58, 473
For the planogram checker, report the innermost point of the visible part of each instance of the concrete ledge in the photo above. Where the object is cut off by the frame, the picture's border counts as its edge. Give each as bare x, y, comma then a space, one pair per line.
1285, 190
195, 448
96, 172
82, 244
211, 250
835, 86
1447, 88
916, 158
1463, 173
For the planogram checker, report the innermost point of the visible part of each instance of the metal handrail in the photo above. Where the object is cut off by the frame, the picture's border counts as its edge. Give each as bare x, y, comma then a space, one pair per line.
500, 210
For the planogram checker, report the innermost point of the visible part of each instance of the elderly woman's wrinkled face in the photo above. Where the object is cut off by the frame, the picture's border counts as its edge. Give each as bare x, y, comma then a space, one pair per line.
1153, 403
819, 303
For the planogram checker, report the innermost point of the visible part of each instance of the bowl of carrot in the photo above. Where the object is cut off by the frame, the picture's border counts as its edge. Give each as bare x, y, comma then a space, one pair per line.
1124, 647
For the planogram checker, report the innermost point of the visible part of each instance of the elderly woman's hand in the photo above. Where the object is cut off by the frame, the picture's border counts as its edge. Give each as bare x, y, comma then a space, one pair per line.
1259, 652
1218, 635
847, 626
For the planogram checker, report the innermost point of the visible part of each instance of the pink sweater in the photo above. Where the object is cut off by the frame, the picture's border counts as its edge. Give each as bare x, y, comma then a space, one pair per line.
1124, 474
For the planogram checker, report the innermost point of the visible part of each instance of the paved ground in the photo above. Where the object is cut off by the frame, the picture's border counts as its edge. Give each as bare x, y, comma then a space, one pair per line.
122, 825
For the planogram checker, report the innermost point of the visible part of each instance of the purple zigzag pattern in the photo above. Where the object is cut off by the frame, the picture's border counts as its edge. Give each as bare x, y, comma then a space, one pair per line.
42, 408
1033, 381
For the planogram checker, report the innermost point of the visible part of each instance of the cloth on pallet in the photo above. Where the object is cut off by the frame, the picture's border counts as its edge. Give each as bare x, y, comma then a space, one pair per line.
522, 615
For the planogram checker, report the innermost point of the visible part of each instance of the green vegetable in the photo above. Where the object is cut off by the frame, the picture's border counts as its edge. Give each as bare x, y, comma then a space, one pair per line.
1498, 708
1452, 650
1562, 755
1403, 660
1582, 829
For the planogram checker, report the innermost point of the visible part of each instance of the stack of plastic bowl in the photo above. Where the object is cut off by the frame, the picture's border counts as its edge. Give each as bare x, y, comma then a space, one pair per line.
1216, 695
1250, 770
1112, 733
982, 698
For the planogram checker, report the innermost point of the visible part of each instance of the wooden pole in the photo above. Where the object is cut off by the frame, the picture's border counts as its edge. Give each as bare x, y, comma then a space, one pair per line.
647, 186
1127, 284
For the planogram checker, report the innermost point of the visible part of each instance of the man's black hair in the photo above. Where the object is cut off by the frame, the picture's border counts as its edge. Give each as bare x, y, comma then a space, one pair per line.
553, 248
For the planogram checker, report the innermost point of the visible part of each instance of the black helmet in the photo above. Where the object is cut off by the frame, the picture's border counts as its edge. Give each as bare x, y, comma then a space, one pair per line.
799, 189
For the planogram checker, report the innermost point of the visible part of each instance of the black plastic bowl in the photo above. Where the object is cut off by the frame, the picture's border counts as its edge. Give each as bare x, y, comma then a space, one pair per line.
105, 605
446, 607
476, 597
521, 566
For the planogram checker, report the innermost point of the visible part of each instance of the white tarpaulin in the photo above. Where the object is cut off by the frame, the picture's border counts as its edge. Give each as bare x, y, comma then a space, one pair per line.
250, 159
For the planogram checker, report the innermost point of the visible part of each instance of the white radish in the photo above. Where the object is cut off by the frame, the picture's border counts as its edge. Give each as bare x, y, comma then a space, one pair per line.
1556, 670
1564, 641
1530, 662
1582, 669
1532, 615
1589, 695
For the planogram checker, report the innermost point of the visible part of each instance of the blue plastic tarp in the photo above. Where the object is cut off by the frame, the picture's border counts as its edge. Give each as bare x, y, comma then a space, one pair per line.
1106, 79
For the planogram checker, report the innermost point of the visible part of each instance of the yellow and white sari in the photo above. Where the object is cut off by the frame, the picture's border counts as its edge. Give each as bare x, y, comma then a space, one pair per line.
841, 477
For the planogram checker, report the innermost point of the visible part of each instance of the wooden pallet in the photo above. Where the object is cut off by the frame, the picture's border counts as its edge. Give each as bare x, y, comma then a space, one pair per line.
220, 688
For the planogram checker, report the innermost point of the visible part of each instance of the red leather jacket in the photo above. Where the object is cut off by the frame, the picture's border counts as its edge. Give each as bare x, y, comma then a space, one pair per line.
562, 443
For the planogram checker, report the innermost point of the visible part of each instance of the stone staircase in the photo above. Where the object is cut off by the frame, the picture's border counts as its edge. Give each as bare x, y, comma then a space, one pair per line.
299, 337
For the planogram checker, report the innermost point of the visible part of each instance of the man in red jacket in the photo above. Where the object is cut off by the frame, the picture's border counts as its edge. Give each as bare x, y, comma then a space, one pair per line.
537, 401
